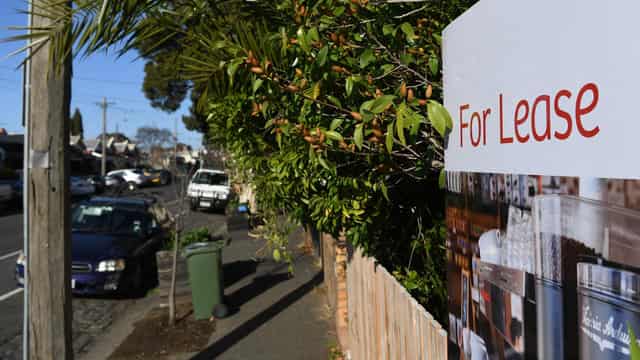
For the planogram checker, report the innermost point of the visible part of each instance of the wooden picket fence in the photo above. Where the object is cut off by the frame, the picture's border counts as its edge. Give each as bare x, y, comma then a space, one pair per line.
385, 322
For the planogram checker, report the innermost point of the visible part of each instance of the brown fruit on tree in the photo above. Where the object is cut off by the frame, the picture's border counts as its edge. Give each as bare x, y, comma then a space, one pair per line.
429, 91
257, 70
403, 89
356, 115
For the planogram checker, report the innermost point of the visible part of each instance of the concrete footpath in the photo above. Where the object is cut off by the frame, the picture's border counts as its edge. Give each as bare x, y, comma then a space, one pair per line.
277, 316
273, 315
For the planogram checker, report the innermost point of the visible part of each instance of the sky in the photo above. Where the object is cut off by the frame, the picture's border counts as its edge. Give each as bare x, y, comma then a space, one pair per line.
119, 79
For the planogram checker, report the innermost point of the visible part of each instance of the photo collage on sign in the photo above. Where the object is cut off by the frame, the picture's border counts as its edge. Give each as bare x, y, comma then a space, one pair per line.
522, 251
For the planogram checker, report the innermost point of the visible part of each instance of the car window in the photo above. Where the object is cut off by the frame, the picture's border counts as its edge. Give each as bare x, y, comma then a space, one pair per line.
109, 219
208, 178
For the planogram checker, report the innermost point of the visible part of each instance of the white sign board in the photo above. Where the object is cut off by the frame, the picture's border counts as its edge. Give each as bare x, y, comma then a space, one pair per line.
545, 87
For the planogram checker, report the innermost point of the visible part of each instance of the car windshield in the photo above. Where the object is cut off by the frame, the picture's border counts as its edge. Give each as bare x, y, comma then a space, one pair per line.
108, 219
209, 178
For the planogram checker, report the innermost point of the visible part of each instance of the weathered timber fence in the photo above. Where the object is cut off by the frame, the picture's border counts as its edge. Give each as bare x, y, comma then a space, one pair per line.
384, 321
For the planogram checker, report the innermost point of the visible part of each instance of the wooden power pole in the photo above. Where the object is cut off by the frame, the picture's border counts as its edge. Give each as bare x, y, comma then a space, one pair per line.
104, 105
49, 257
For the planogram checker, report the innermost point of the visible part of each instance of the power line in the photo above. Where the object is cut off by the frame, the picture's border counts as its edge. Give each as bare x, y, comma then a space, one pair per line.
120, 82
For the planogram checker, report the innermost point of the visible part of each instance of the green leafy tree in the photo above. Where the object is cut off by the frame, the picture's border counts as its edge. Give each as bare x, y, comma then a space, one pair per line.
331, 108
76, 126
149, 137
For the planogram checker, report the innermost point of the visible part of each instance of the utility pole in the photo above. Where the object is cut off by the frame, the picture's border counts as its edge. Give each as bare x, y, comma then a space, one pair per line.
47, 183
175, 144
104, 105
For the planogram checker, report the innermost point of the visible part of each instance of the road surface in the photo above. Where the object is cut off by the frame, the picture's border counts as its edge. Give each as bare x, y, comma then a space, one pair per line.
91, 316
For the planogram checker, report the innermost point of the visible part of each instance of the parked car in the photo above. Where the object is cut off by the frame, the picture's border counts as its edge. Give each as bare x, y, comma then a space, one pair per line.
81, 186
164, 175
157, 176
152, 176
111, 181
113, 244
98, 182
134, 177
209, 189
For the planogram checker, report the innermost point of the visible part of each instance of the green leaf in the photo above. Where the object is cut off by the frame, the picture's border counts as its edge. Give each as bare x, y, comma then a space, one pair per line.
339, 10
316, 90
389, 137
366, 106
407, 59
383, 188
438, 39
323, 163
442, 179
279, 139
367, 57
276, 255
433, 65
386, 68
388, 29
256, 84
633, 344
349, 85
439, 117
232, 68
335, 123
302, 40
401, 115
312, 35
358, 135
322, 56
334, 100
407, 29
333, 135
381, 103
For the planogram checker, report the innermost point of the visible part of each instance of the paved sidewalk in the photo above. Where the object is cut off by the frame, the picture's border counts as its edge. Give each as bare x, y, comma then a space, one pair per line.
273, 315
278, 316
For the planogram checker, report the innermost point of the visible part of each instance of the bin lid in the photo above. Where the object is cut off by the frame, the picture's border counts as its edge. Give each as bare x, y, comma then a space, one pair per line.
203, 247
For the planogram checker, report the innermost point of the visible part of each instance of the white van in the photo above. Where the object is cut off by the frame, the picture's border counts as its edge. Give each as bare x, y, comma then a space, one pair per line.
209, 189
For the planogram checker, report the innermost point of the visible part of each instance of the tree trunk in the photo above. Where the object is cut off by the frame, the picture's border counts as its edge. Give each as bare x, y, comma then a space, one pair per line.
49, 252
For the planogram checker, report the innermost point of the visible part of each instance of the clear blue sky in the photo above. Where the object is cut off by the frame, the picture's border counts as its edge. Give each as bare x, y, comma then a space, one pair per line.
117, 79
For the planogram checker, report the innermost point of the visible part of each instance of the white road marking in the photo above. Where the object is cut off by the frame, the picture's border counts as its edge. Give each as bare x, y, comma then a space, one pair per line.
11, 293
10, 255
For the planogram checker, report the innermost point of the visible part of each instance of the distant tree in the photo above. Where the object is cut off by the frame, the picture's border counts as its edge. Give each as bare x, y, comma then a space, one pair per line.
148, 137
160, 85
76, 124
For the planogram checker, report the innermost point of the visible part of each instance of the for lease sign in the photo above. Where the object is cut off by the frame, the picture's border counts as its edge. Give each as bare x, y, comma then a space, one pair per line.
544, 87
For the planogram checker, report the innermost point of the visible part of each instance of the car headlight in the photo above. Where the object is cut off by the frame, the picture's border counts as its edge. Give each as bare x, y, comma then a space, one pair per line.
21, 259
111, 265
223, 195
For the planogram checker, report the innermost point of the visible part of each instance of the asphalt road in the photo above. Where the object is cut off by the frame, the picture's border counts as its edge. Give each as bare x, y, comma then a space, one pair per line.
86, 311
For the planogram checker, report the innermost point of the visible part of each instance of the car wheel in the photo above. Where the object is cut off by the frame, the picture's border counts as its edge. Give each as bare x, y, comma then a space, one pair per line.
192, 205
132, 186
164, 180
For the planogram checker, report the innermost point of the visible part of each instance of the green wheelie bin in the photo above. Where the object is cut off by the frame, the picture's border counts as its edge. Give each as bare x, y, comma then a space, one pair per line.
204, 262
